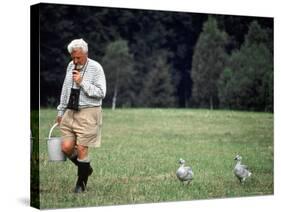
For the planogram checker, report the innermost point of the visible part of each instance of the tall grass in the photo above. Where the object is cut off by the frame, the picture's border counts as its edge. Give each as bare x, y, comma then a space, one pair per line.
140, 149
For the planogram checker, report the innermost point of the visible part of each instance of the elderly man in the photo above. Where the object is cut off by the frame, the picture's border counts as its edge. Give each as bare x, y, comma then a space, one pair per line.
79, 111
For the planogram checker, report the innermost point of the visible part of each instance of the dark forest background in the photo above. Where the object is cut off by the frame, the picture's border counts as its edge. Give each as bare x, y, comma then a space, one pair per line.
161, 58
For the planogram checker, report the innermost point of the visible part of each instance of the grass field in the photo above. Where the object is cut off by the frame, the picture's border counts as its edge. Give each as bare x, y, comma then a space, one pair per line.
140, 150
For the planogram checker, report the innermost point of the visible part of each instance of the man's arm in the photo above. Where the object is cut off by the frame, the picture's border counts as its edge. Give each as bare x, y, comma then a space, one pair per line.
98, 89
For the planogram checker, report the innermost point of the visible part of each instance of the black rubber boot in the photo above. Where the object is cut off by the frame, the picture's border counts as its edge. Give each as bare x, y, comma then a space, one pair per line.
84, 171
75, 161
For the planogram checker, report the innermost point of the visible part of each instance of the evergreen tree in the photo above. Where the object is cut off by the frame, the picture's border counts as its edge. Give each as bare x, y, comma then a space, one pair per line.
251, 83
158, 88
207, 64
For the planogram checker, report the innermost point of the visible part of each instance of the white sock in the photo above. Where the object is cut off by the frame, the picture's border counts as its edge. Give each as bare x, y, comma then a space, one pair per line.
84, 160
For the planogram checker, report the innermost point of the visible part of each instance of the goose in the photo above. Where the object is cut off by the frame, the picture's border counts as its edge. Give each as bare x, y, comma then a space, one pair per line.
241, 171
184, 173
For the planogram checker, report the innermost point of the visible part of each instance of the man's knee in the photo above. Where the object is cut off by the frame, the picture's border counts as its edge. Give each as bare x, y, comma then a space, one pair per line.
82, 151
67, 147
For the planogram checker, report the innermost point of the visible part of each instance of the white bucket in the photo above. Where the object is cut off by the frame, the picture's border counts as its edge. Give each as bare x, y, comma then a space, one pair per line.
54, 147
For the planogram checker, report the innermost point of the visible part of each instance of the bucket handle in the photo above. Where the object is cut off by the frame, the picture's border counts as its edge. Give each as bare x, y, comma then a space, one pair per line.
51, 130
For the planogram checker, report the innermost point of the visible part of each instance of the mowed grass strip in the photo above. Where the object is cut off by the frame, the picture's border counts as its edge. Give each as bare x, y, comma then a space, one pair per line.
140, 150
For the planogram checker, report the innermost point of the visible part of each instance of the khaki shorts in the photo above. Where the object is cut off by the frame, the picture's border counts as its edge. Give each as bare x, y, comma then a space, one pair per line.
83, 126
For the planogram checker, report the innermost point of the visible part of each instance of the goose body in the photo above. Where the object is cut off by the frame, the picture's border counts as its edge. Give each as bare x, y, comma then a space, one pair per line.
184, 173
241, 171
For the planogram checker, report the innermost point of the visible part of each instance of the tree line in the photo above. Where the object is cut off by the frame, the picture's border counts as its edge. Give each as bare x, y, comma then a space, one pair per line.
241, 79
162, 58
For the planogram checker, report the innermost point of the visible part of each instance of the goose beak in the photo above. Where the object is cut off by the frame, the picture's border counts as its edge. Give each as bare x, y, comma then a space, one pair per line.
237, 157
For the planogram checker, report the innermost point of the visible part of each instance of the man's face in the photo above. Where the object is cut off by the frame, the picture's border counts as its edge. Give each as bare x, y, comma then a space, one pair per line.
79, 57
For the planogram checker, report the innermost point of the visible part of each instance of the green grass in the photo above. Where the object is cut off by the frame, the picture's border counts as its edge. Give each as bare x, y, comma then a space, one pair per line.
140, 150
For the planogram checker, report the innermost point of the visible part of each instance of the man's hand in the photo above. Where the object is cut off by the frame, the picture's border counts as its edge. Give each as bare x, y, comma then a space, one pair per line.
58, 119
76, 76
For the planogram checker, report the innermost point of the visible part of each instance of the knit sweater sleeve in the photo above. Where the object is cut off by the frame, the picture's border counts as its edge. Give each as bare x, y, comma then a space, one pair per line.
97, 87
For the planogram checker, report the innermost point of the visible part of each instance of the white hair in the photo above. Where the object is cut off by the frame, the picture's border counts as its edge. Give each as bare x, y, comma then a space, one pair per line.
76, 44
